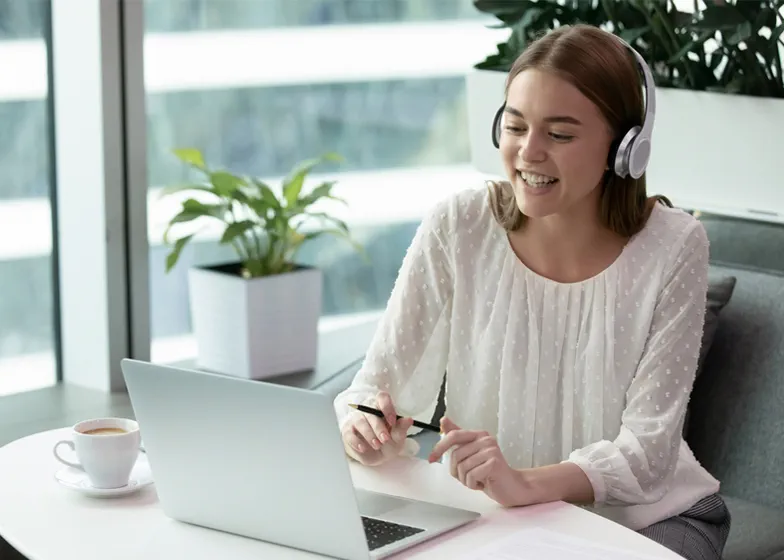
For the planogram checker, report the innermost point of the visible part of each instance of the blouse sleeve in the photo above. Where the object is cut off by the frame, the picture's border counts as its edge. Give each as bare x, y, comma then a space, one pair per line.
637, 467
407, 356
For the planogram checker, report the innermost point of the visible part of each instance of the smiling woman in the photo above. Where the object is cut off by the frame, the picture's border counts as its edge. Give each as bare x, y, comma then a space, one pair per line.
565, 306
566, 108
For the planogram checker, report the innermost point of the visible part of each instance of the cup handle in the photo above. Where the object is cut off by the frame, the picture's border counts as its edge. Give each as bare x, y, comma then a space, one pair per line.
65, 461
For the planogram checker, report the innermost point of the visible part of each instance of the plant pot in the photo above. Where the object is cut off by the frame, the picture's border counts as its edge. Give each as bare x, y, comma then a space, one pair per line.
255, 328
714, 152
718, 153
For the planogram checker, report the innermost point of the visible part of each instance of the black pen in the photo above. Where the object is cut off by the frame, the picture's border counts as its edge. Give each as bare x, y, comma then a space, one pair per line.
377, 412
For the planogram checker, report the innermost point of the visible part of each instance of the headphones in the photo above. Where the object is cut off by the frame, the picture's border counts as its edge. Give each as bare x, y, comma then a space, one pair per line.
630, 155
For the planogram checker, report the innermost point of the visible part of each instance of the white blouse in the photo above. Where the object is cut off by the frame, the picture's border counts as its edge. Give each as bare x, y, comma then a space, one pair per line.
597, 372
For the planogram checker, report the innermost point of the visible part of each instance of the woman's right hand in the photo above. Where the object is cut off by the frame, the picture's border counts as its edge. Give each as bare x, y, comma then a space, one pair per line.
372, 440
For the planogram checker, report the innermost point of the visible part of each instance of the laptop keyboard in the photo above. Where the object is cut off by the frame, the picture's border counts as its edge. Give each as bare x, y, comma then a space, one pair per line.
381, 533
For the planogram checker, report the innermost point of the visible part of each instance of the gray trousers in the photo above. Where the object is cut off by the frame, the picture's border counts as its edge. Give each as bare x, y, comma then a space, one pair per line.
699, 533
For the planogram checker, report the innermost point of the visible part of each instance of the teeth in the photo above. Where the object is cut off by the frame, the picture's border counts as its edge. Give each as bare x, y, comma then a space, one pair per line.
537, 180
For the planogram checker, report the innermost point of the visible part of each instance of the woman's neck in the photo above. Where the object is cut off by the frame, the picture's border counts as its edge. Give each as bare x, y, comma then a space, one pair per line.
567, 247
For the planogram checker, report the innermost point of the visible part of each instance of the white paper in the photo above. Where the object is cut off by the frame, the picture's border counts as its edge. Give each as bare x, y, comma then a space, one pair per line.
543, 544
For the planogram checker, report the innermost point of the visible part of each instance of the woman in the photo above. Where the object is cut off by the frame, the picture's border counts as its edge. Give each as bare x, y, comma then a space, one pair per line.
567, 308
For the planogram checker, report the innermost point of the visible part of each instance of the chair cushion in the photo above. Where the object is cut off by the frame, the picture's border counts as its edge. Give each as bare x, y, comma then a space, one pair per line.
720, 289
756, 533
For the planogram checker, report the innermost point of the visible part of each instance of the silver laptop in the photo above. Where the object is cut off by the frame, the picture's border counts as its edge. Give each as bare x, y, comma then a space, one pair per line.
266, 461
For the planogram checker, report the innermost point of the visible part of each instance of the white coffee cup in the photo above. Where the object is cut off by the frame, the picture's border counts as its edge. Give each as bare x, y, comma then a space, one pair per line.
106, 448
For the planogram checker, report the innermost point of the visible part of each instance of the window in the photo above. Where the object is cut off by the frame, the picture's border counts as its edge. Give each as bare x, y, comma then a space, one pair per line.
259, 86
27, 305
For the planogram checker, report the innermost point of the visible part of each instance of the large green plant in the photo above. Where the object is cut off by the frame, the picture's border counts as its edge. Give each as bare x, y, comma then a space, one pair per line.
722, 46
265, 229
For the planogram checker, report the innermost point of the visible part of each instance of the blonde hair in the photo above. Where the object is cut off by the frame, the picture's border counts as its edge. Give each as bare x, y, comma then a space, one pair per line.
604, 70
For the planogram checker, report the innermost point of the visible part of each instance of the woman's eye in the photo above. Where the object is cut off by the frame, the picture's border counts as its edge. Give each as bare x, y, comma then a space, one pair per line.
514, 129
561, 137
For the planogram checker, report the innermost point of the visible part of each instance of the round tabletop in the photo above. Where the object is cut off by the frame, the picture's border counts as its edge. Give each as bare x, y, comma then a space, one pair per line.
47, 521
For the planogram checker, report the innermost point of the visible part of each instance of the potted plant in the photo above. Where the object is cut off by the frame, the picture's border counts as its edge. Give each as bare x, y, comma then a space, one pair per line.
256, 316
719, 91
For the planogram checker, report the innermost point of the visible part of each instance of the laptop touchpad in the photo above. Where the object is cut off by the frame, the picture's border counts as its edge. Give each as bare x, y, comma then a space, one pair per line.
373, 504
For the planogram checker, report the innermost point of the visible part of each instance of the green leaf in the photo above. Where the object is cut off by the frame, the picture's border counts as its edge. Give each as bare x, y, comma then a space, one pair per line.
166, 191
718, 17
775, 34
292, 185
267, 195
742, 33
194, 206
530, 16
226, 183
260, 208
690, 47
191, 156
240, 196
324, 190
506, 11
766, 17
174, 255
237, 229
192, 210
631, 35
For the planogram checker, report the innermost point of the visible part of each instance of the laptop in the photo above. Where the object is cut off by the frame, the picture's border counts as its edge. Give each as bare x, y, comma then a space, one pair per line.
266, 461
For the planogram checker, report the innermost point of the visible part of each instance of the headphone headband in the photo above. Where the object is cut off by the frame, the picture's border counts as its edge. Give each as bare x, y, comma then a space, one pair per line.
631, 153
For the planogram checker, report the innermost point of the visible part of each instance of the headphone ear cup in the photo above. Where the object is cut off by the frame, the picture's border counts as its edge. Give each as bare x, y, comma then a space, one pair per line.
639, 154
497, 126
623, 152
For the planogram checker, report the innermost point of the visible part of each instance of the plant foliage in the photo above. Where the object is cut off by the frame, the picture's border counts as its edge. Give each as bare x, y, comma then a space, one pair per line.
722, 46
265, 229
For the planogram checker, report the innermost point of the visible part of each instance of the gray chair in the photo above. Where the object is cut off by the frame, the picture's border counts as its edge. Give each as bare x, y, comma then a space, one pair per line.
737, 412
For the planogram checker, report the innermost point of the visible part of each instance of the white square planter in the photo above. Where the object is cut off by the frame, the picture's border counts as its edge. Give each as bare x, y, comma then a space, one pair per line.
719, 153
256, 328
714, 152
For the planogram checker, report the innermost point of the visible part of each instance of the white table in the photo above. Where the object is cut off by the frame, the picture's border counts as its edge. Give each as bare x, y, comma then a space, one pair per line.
46, 521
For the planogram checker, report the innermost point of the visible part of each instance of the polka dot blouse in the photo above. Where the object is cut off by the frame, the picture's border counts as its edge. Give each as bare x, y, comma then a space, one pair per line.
597, 372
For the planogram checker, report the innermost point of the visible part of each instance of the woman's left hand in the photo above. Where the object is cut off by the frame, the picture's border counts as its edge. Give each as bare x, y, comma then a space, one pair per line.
478, 463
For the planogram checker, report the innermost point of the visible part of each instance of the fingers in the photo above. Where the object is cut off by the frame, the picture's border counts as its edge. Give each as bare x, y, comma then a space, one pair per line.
463, 452
357, 443
474, 478
400, 431
367, 456
467, 466
363, 443
380, 430
385, 405
448, 426
363, 427
455, 437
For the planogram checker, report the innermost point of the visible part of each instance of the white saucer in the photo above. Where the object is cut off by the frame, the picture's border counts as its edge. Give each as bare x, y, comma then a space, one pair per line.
77, 480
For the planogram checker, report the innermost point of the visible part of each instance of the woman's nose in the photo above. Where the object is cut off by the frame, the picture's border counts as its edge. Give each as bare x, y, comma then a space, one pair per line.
531, 148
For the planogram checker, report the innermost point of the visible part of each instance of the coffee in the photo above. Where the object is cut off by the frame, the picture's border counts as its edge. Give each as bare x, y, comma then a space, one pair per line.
104, 431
